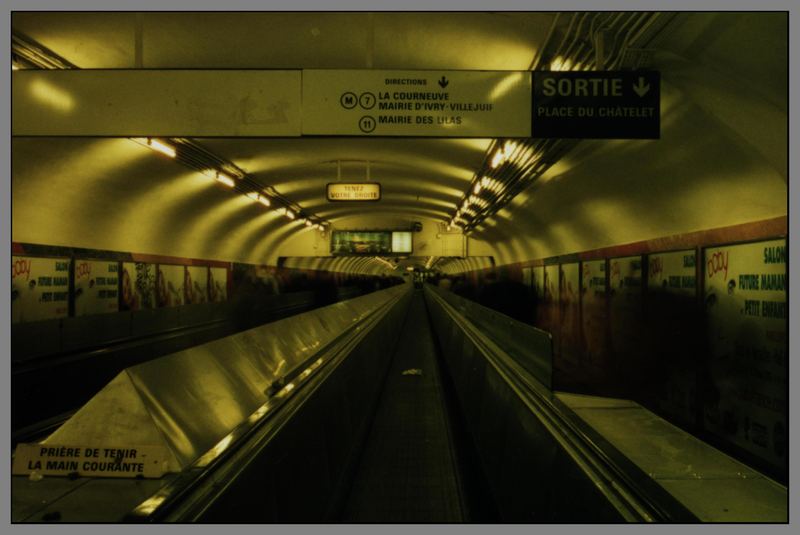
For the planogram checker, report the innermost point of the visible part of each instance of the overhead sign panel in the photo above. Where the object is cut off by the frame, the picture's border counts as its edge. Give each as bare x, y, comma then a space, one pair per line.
290, 103
416, 103
596, 105
137, 103
354, 191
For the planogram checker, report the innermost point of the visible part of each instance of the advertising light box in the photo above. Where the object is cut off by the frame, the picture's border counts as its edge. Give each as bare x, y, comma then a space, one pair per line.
594, 314
39, 288
673, 332
96, 286
169, 285
195, 285
745, 296
401, 242
217, 284
371, 242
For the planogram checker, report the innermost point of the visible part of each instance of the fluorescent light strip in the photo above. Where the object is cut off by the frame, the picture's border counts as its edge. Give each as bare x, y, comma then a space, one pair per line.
170, 151
257, 197
508, 148
287, 212
163, 148
225, 179
497, 159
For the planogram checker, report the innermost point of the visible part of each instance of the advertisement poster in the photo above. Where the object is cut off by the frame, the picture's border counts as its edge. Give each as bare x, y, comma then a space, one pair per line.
537, 290
138, 286
262, 279
593, 314
169, 285
217, 284
195, 285
39, 288
569, 316
527, 277
746, 313
672, 334
548, 304
537, 275
625, 309
672, 272
96, 286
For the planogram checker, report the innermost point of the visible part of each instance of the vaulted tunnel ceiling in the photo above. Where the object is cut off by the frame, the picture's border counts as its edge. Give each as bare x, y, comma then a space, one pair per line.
422, 178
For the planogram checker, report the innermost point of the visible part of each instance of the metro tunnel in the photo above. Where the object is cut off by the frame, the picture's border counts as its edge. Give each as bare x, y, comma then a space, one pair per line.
399, 267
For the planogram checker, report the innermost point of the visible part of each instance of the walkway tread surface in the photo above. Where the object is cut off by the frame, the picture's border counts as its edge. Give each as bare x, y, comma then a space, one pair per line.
408, 471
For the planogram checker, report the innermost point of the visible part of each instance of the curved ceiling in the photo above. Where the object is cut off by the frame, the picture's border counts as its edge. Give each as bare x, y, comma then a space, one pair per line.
723, 79
422, 179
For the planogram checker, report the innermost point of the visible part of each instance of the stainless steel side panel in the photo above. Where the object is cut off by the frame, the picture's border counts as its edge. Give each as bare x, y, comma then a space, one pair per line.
530, 347
195, 397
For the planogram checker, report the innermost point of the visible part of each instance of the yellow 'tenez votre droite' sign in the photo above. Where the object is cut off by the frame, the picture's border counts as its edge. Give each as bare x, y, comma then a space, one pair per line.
354, 191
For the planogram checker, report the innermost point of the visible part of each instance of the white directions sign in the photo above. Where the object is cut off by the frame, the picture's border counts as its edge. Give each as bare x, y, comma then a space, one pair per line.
417, 103
91, 461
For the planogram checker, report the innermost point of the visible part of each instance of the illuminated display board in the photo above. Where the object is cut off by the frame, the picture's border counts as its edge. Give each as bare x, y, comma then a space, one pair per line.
370, 242
401, 242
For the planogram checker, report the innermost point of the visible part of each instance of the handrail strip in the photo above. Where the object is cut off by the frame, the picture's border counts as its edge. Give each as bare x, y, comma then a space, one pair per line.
631, 501
189, 495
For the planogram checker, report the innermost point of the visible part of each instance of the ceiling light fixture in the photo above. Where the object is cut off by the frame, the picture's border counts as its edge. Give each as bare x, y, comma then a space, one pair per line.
225, 179
497, 159
161, 147
508, 148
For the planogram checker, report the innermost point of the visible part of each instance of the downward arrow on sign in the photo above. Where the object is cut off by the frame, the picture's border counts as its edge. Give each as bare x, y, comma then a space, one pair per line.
641, 88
